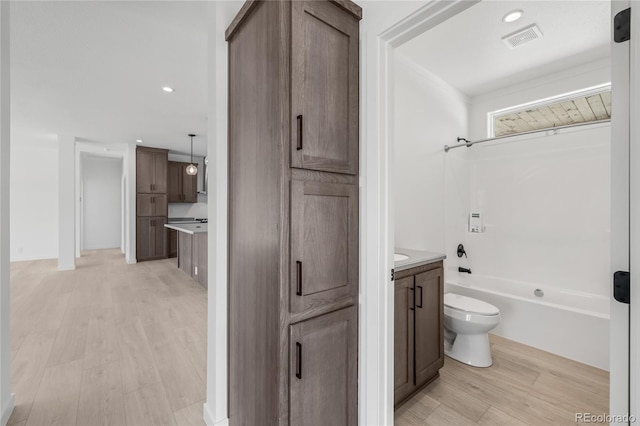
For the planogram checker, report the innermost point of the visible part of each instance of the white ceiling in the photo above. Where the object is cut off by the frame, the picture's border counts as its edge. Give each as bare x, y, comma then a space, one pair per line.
467, 51
95, 70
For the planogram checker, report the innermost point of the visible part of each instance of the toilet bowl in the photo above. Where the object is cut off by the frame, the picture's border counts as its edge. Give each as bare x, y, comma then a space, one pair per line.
467, 322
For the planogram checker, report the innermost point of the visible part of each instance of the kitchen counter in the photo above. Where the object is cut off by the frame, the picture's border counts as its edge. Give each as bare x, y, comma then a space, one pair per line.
416, 258
189, 228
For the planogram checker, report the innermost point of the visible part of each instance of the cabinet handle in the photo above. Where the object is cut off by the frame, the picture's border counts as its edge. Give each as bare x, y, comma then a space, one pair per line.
413, 299
298, 278
420, 305
299, 146
153, 200
299, 360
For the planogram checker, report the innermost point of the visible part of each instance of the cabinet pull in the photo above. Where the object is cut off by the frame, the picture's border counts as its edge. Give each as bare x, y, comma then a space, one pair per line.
299, 146
299, 360
413, 299
298, 278
153, 200
420, 305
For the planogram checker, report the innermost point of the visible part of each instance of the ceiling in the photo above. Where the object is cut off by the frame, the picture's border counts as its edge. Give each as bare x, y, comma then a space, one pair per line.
475, 60
95, 70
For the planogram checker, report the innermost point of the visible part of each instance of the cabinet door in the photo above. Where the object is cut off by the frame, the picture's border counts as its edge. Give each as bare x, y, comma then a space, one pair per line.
429, 335
403, 339
324, 370
145, 168
324, 122
144, 238
174, 182
144, 205
324, 244
160, 237
160, 164
190, 186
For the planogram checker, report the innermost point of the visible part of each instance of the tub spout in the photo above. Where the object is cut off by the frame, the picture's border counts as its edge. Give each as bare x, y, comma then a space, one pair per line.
466, 270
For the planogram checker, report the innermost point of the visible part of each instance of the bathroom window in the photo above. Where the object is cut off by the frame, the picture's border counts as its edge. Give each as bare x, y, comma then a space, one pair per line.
591, 105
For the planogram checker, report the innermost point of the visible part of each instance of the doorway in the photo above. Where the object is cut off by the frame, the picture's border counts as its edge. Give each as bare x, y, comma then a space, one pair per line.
393, 38
101, 202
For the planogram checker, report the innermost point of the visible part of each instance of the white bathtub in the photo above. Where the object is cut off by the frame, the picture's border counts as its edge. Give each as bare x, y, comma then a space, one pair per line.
570, 324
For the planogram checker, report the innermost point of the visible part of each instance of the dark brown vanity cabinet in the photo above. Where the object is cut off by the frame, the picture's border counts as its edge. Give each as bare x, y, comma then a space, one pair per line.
418, 328
293, 213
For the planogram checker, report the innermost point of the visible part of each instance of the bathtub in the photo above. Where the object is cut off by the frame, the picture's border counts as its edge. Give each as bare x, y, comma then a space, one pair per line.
570, 324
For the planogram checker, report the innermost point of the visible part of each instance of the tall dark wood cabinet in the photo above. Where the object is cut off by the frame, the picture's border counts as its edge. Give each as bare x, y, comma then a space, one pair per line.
418, 329
293, 213
151, 203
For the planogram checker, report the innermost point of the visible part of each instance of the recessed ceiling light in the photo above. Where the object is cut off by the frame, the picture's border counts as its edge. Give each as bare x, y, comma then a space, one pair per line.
513, 16
139, 140
167, 89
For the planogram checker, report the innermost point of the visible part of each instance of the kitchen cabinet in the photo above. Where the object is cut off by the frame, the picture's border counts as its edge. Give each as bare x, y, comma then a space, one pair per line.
181, 187
151, 170
293, 213
324, 372
419, 329
151, 203
151, 241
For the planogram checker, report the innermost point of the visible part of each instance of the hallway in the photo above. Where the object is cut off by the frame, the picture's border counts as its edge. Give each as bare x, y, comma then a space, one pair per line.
108, 343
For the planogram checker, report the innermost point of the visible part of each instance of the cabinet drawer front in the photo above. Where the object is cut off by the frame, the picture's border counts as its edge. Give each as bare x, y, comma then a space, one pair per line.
324, 244
324, 122
429, 334
324, 370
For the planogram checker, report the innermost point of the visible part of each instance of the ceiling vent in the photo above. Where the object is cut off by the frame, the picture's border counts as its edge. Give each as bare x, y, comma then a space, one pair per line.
523, 36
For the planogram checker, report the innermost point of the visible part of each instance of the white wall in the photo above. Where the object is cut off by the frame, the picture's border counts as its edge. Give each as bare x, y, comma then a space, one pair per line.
199, 209
34, 199
428, 114
101, 179
545, 199
546, 207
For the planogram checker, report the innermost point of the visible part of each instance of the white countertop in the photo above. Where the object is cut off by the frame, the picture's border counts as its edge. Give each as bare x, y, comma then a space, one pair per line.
416, 258
189, 228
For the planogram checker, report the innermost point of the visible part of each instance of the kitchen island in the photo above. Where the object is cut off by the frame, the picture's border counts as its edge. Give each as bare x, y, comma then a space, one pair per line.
192, 249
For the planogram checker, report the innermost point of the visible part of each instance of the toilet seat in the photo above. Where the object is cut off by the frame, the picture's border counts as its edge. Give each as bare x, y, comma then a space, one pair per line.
469, 305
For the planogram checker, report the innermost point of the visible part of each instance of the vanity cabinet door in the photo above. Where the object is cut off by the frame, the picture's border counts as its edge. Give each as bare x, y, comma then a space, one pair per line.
324, 87
323, 373
429, 333
324, 244
403, 339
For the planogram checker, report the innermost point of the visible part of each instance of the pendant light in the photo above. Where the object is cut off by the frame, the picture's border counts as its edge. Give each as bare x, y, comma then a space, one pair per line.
192, 169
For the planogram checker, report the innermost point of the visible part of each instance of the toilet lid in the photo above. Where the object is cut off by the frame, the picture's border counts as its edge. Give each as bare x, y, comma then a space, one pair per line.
469, 304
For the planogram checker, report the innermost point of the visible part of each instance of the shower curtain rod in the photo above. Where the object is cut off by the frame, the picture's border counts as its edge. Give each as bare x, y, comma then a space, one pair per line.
470, 143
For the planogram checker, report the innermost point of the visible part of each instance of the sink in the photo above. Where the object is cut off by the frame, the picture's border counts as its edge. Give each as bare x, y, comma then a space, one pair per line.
398, 257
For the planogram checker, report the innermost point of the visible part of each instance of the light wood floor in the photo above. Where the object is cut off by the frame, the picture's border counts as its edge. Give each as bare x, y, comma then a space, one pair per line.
525, 386
108, 343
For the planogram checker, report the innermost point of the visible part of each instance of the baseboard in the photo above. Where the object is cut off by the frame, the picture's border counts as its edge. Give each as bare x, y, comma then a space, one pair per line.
132, 261
8, 409
66, 267
208, 418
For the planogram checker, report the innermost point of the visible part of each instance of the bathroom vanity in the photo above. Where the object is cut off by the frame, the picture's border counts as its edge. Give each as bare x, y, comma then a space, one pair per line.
418, 322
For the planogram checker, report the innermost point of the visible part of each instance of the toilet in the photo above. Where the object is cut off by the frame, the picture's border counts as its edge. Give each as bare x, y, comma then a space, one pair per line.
467, 322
